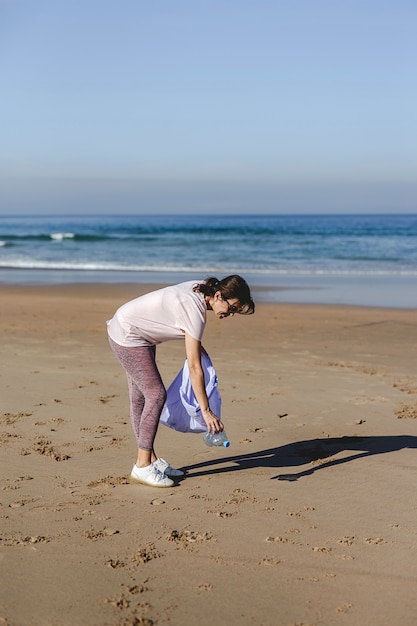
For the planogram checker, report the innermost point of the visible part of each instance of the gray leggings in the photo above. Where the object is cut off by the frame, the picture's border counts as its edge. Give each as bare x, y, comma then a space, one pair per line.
146, 390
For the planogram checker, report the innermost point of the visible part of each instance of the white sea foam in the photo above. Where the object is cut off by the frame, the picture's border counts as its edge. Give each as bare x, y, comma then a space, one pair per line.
61, 236
202, 270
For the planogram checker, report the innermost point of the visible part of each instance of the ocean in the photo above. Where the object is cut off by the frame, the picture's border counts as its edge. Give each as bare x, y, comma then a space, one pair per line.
364, 260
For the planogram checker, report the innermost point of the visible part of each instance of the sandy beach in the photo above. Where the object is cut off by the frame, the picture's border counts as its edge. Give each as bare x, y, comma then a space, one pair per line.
308, 519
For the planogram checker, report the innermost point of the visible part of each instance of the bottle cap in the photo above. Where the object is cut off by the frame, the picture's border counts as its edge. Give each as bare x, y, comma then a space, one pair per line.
226, 444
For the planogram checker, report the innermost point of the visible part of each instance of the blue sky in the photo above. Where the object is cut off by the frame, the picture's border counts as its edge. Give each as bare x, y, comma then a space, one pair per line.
229, 106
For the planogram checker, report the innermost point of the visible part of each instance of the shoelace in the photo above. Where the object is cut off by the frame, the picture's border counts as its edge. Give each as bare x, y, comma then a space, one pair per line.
159, 475
162, 466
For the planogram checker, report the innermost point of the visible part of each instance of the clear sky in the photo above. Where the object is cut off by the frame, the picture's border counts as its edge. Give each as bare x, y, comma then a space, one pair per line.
232, 106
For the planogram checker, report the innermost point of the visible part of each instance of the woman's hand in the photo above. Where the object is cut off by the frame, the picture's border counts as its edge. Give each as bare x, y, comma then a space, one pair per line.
214, 424
193, 350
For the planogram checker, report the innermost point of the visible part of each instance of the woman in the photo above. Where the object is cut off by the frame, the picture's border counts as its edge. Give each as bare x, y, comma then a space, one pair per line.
174, 312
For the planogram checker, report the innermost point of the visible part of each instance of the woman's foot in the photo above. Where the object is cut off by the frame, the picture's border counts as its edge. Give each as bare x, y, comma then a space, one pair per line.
151, 476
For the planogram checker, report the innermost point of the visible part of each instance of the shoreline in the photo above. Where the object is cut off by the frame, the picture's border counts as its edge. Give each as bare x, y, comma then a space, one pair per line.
368, 292
310, 512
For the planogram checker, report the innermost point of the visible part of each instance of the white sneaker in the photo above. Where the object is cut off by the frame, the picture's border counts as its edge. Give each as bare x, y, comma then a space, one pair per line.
165, 468
150, 476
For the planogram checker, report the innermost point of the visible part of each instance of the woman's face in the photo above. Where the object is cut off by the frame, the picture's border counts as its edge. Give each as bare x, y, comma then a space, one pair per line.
222, 307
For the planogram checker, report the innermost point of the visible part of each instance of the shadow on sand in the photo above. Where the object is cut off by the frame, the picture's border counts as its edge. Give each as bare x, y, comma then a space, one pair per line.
319, 452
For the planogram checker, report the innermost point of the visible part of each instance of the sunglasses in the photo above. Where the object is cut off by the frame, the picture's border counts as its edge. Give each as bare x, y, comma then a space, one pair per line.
231, 307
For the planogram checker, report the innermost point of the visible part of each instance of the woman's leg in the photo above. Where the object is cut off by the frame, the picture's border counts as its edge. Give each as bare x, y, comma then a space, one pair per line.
147, 396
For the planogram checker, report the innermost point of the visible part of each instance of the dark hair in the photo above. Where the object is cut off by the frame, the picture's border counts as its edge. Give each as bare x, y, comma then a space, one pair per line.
230, 287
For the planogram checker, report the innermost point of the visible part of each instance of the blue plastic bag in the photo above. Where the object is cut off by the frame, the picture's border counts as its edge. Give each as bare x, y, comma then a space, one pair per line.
181, 411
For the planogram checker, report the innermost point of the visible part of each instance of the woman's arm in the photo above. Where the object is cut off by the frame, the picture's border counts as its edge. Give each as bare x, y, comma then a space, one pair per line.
193, 350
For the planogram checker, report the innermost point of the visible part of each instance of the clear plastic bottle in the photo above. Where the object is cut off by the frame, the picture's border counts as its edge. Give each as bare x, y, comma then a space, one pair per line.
216, 439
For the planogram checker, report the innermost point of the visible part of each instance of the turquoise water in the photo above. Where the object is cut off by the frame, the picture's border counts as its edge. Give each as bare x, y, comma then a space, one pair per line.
349, 259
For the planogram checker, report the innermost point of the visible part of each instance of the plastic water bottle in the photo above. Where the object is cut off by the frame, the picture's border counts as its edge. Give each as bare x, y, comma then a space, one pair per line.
216, 439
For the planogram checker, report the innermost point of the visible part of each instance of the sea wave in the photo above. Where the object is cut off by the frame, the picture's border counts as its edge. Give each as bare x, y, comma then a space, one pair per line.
61, 236
55, 236
84, 237
202, 270
271, 228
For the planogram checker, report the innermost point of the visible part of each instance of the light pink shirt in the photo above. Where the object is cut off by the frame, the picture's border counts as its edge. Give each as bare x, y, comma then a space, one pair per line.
159, 316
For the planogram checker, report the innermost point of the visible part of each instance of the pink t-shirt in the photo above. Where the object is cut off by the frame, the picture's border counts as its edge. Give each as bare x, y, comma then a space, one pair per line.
159, 316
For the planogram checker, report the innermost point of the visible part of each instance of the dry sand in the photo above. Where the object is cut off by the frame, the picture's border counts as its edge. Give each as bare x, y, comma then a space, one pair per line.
309, 518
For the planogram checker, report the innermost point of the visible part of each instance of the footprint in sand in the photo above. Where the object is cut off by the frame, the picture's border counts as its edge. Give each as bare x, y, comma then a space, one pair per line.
98, 534
406, 387
146, 554
43, 446
108, 482
11, 418
105, 399
114, 563
406, 411
376, 541
19, 503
